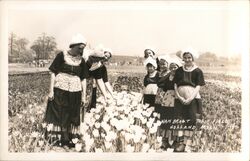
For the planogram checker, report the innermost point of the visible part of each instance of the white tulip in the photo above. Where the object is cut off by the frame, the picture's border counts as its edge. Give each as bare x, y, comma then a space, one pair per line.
126, 111
123, 133
129, 149
97, 116
159, 139
145, 106
137, 139
87, 147
34, 134
169, 150
78, 147
83, 128
155, 114
144, 137
119, 126
20, 116
41, 143
107, 128
75, 140
128, 137
149, 124
49, 127
89, 142
144, 113
134, 103
92, 110
91, 123
108, 144
158, 123
98, 150
98, 109
145, 147
153, 130
97, 125
44, 125
103, 135
106, 118
151, 120
143, 121
151, 151
95, 133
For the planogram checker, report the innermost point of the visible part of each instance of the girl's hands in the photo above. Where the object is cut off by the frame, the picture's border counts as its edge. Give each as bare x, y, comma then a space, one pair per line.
83, 101
51, 95
187, 101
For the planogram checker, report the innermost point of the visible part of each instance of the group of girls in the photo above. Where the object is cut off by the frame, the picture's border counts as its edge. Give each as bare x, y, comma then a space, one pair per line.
172, 86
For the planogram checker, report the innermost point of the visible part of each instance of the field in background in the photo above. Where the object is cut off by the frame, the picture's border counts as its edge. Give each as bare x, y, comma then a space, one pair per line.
228, 70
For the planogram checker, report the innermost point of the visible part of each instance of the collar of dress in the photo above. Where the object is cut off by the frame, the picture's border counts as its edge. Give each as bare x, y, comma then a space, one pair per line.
71, 60
191, 69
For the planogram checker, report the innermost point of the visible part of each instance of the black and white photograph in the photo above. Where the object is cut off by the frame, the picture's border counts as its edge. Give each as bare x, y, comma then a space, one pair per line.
124, 80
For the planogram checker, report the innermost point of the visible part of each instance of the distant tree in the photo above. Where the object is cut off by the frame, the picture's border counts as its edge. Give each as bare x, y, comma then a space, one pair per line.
28, 56
12, 44
21, 46
44, 46
17, 47
208, 56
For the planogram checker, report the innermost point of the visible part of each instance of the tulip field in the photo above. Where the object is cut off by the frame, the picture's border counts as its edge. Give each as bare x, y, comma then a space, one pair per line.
123, 124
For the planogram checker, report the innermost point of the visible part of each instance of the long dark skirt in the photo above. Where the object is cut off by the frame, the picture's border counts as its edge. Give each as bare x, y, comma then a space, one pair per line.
167, 116
63, 112
149, 99
186, 114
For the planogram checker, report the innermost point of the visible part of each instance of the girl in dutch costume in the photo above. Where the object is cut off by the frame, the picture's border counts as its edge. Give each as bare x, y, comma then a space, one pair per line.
165, 99
67, 93
98, 72
188, 81
150, 82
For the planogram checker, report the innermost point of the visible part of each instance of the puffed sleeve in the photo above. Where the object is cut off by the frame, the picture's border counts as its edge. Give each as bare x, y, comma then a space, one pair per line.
200, 78
177, 76
97, 74
105, 74
57, 63
84, 70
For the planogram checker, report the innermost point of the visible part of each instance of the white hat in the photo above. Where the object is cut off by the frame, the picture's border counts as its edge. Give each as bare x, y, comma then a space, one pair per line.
171, 58
191, 51
150, 48
176, 60
99, 47
108, 50
150, 60
77, 39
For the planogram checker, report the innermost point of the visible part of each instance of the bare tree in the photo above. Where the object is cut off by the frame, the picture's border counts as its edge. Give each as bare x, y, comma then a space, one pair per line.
12, 45
17, 47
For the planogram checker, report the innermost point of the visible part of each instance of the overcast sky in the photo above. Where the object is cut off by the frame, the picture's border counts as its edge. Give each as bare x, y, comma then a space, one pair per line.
129, 27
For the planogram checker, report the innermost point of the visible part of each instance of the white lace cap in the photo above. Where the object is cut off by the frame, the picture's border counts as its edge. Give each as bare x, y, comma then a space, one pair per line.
78, 39
150, 60
190, 50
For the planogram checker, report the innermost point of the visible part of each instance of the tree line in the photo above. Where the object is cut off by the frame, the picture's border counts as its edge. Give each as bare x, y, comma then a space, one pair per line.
43, 48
